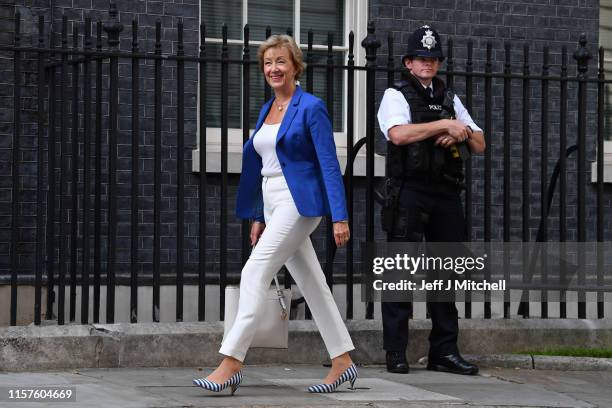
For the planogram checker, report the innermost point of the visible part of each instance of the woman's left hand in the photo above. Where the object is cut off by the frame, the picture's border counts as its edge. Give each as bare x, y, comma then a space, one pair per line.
341, 233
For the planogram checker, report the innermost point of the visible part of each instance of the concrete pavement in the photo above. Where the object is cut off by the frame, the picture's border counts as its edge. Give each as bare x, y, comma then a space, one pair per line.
284, 385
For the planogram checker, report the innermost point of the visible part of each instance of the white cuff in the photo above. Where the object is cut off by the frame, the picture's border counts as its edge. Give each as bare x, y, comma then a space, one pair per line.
393, 121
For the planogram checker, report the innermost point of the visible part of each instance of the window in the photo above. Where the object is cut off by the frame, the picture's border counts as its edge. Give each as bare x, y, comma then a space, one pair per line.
322, 16
297, 17
605, 39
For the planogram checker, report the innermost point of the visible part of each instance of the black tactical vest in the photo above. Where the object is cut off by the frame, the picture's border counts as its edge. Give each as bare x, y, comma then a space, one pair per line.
423, 161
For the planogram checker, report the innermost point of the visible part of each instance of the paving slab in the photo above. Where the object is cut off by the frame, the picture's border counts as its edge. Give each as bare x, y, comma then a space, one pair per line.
594, 387
510, 395
279, 386
370, 389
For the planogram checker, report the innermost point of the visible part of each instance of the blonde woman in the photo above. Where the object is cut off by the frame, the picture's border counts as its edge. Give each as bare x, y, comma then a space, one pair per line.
290, 179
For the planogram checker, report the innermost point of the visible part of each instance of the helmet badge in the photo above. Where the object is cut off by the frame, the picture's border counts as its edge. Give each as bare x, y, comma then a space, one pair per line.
428, 40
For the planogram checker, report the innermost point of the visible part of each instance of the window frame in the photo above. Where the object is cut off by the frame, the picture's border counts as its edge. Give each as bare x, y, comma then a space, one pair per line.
608, 69
355, 17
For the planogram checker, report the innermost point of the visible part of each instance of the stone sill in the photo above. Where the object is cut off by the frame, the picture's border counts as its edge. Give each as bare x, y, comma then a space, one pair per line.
234, 163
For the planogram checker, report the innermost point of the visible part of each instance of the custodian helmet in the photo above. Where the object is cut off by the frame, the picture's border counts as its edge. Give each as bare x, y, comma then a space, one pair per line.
424, 42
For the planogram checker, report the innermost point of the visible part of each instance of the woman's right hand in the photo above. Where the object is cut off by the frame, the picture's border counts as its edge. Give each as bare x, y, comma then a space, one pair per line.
257, 228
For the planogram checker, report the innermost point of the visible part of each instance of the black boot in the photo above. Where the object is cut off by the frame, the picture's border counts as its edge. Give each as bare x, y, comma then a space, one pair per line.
452, 363
396, 362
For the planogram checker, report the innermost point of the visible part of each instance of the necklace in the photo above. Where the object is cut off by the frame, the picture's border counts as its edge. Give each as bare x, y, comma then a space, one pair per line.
280, 106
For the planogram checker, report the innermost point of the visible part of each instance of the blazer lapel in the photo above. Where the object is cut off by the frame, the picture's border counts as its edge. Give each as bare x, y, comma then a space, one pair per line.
262, 116
290, 114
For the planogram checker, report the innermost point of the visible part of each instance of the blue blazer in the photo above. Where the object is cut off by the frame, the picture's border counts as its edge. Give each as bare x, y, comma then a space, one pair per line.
307, 153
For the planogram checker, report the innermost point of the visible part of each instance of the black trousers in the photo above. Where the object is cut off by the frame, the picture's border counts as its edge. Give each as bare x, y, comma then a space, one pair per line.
436, 215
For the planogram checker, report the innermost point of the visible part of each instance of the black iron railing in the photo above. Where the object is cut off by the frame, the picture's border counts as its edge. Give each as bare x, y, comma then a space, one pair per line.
91, 111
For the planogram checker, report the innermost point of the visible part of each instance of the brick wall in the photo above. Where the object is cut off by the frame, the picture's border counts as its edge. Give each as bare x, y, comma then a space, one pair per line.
6, 118
146, 13
540, 23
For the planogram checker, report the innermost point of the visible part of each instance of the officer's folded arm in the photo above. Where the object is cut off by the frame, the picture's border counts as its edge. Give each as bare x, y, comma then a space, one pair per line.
415, 132
476, 141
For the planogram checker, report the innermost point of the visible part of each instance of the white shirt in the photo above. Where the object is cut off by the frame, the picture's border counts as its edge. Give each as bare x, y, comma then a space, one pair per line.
394, 111
265, 145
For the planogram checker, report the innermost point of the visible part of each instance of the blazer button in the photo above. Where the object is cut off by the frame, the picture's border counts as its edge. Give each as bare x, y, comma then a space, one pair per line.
283, 164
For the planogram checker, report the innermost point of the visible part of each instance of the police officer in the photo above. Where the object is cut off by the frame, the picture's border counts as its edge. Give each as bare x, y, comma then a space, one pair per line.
429, 133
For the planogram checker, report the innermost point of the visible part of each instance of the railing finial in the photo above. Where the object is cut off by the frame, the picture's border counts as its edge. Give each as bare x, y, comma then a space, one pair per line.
371, 43
582, 55
113, 26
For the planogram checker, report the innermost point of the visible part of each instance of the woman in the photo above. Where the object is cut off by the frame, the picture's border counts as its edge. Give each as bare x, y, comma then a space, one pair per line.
290, 179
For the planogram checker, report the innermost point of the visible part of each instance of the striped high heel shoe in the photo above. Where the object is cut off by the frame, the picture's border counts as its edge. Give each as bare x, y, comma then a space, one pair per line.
233, 382
350, 374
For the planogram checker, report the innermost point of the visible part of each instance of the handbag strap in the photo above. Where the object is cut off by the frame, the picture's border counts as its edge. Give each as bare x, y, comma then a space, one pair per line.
281, 298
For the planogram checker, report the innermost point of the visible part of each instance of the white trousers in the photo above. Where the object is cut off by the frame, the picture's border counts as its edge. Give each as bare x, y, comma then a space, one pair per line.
285, 241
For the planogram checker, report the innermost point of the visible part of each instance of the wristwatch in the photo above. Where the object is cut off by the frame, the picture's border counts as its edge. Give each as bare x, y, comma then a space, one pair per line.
469, 136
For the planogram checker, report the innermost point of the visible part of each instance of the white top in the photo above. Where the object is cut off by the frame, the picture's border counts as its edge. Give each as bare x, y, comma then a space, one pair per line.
265, 145
394, 110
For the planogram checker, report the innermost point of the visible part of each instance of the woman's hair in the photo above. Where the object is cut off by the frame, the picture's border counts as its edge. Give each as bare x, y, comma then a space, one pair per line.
287, 42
